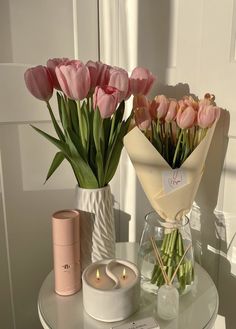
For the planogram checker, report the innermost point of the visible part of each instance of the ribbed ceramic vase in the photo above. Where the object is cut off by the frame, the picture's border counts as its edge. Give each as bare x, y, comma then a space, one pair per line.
97, 227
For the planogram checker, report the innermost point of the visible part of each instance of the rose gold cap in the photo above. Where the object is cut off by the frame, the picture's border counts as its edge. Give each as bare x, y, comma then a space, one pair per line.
65, 227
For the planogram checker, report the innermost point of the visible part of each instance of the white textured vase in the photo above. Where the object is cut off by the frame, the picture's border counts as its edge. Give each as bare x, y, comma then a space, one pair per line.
97, 227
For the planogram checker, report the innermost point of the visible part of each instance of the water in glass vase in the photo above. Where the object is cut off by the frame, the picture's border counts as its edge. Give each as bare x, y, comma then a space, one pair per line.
146, 262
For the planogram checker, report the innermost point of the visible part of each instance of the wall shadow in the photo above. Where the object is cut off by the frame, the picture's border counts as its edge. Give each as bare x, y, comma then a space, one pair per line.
209, 224
121, 225
154, 33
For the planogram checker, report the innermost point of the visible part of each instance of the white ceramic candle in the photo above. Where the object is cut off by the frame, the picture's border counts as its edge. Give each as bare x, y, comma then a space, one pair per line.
111, 289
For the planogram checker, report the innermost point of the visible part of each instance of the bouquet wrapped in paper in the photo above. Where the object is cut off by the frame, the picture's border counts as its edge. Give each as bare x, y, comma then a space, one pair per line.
168, 148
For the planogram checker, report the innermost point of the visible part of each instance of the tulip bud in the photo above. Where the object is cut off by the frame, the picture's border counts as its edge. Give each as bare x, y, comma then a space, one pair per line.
140, 101
93, 71
74, 79
141, 81
189, 101
103, 74
106, 99
207, 115
186, 118
142, 118
172, 111
119, 79
51, 65
39, 83
159, 107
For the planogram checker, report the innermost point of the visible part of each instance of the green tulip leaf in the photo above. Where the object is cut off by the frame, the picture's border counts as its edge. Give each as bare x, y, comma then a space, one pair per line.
85, 120
115, 151
76, 141
113, 163
85, 175
98, 136
55, 124
107, 129
59, 105
57, 160
119, 113
74, 116
59, 144
97, 126
64, 114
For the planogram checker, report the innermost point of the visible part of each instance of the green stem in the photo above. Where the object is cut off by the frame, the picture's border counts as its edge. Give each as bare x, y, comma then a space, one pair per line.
172, 250
55, 124
171, 133
81, 124
177, 149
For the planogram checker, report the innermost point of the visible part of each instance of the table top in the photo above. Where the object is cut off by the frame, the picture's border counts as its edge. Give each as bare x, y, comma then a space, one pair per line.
198, 308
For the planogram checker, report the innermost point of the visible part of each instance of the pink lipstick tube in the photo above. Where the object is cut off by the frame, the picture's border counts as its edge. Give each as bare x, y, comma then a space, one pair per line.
66, 252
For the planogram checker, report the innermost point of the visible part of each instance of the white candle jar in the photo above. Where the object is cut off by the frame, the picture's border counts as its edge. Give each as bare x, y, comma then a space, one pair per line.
111, 289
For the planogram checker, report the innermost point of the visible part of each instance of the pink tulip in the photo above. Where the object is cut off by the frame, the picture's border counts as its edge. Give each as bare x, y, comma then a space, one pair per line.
189, 101
159, 107
119, 79
94, 72
39, 83
74, 79
140, 101
142, 118
106, 99
207, 115
51, 65
172, 111
186, 118
141, 81
103, 74
141, 112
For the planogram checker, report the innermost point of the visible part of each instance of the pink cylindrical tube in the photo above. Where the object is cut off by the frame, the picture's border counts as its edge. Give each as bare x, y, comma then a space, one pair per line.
66, 251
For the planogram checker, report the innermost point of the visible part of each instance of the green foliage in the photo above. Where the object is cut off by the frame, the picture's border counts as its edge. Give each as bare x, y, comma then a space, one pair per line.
90, 144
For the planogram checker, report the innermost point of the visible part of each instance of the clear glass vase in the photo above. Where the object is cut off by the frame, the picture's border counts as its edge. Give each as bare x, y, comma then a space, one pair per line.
172, 239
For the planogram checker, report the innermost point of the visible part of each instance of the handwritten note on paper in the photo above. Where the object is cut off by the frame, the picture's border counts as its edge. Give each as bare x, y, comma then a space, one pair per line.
173, 179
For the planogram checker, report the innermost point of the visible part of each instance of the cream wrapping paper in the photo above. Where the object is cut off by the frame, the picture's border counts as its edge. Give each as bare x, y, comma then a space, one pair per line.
150, 167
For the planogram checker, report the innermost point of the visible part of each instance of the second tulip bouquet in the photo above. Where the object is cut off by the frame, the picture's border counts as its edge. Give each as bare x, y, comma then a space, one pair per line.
175, 128
91, 103
168, 148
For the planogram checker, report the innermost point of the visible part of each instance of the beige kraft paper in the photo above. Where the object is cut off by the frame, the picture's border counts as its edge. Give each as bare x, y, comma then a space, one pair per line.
149, 166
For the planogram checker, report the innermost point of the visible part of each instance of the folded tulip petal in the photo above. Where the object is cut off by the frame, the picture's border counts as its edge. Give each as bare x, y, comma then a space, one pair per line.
141, 81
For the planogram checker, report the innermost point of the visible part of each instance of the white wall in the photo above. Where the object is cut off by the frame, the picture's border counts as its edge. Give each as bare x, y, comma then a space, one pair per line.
30, 33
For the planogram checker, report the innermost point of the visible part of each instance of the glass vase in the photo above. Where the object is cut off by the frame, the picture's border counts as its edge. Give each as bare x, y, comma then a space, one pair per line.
172, 239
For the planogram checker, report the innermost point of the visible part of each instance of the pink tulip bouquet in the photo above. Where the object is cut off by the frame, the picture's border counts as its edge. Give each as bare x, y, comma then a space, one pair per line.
175, 128
91, 103
168, 147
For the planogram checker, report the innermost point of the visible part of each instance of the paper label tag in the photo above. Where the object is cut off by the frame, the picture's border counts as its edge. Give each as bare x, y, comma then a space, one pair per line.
173, 179
147, 323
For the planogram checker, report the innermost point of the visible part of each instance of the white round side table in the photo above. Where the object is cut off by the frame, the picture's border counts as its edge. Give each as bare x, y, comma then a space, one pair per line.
198, 308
